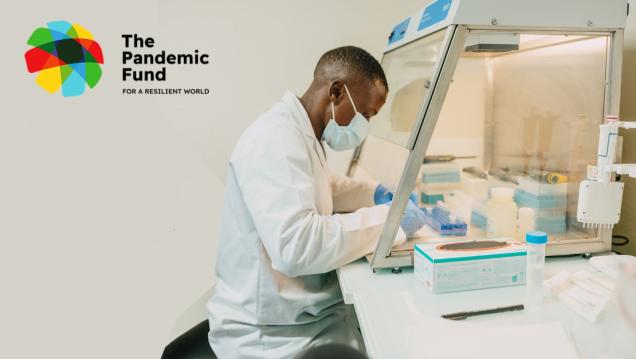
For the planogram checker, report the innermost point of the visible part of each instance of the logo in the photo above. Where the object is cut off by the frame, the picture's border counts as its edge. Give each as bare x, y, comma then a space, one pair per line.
64, 55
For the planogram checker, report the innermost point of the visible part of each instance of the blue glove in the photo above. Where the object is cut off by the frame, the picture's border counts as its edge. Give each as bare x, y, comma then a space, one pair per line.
413, 198
413, 218
383, 195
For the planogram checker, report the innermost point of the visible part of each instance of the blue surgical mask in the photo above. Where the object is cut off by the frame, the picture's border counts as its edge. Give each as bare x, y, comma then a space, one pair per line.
342, 138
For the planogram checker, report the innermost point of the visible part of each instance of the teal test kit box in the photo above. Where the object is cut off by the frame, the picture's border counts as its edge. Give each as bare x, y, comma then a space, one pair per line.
454, 267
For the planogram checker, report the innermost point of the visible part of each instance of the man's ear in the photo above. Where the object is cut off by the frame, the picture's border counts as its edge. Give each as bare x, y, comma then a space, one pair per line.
336, 91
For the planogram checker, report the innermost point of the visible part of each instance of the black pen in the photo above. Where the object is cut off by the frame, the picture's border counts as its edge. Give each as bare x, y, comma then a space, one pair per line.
464, 315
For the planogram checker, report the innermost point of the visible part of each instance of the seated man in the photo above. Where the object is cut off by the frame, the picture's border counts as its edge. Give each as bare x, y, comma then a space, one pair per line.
288, 223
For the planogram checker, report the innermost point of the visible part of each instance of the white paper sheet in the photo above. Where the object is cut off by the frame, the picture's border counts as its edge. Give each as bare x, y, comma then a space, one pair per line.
467, 340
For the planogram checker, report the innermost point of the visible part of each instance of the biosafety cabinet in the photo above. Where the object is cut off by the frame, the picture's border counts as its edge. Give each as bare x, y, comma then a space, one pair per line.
516, 90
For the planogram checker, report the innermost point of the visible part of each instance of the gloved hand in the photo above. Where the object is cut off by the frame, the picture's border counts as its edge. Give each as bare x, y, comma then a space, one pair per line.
413, 218
383, 195
413, 198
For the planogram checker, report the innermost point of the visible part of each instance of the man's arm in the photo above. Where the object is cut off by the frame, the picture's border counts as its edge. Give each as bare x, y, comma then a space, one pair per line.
350, 195
276, 181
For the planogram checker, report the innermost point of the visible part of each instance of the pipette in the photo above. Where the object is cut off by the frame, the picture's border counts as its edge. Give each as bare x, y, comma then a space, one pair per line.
445, 158
503, 174
548, 177
476, 171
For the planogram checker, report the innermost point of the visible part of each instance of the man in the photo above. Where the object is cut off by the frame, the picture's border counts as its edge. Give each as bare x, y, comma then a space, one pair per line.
288, 223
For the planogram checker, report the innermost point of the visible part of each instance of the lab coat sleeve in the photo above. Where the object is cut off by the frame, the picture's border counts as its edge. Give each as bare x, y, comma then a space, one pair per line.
277, 183
351, 194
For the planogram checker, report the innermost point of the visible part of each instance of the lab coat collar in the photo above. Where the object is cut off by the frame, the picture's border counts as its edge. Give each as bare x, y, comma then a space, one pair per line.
299, 112
302, 118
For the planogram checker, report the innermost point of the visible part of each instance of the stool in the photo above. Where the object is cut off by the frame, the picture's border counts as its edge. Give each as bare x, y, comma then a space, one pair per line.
192, 344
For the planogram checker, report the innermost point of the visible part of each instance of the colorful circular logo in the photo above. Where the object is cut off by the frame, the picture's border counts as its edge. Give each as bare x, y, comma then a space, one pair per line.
64, 55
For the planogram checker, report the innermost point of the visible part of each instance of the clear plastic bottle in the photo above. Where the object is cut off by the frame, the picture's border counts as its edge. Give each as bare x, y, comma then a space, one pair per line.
525, 223
501, 213
535, 244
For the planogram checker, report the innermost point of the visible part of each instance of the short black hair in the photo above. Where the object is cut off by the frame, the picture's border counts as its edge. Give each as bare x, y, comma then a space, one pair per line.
352, 60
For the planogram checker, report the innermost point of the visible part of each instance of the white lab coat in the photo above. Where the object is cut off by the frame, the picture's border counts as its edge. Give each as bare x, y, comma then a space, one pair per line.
280, 241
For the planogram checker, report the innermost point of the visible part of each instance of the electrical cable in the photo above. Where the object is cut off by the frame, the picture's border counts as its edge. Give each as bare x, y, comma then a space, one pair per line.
620, 244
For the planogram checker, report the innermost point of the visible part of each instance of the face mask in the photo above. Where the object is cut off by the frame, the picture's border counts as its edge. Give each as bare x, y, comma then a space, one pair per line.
342, 138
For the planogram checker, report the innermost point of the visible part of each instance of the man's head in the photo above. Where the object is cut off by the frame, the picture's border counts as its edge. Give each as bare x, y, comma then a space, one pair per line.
364, 78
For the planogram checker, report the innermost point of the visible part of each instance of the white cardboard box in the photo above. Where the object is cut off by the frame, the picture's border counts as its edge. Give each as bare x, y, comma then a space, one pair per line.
444, 271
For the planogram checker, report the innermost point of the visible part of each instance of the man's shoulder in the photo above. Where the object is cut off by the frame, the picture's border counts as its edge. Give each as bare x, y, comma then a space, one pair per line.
271, 127
276, 118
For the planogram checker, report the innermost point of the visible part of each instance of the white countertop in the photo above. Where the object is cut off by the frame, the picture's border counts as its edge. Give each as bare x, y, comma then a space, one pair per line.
396, 310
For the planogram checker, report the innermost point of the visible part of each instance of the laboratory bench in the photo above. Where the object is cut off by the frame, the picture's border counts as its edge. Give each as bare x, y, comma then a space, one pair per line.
396, 313
512, 109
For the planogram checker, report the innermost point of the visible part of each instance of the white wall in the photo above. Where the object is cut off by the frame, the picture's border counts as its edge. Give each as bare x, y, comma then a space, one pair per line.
109, 204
